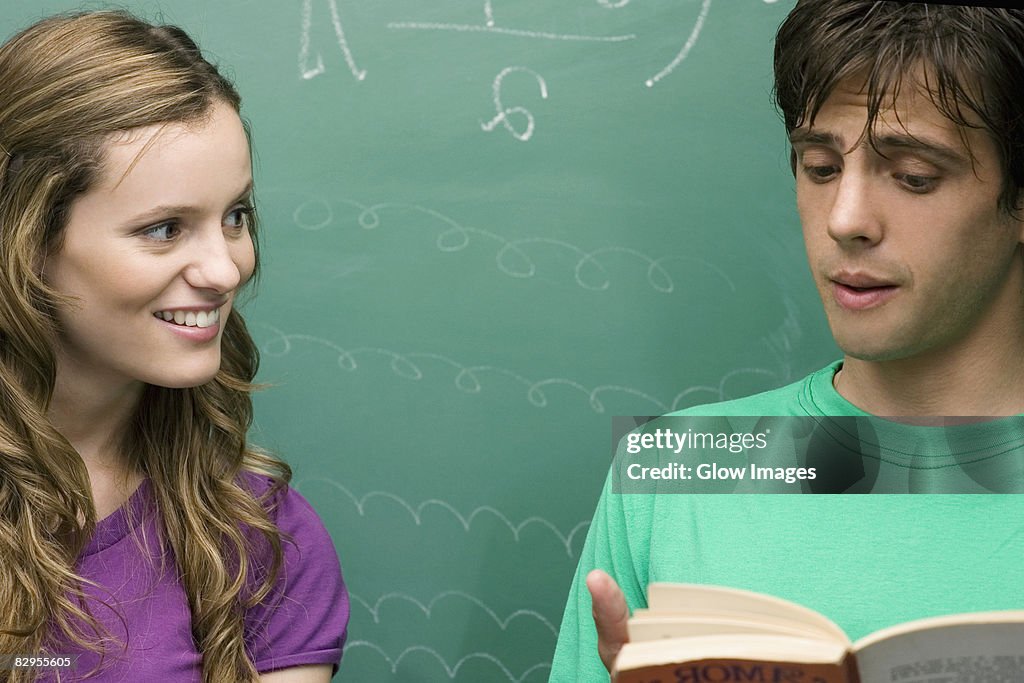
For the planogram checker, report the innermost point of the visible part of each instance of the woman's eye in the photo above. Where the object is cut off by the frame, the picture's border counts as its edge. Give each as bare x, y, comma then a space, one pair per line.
164, 232
239, 217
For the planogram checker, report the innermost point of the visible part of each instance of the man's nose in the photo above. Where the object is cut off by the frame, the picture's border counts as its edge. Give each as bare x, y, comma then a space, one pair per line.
855, 215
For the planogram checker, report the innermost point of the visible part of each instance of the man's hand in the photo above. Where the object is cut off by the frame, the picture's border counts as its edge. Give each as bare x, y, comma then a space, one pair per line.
610, 615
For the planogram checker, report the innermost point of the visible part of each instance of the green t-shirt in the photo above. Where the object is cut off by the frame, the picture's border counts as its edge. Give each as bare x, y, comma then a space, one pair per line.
866, 562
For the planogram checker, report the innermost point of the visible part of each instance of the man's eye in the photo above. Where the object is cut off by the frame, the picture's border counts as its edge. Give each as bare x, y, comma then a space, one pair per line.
917, 183
164, 232
820, 174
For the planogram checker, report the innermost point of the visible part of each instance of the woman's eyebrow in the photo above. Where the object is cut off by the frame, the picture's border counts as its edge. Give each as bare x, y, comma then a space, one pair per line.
164, 210
244, 194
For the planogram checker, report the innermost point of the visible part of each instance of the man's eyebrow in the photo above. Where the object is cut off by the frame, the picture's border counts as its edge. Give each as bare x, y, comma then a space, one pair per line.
924, 146
890, 142
803, 136
164, 210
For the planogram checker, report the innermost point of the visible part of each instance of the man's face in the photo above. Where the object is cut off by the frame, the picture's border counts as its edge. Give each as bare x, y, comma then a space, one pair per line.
910, 252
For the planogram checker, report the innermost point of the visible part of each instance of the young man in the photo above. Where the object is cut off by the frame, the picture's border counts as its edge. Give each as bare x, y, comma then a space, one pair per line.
907, 131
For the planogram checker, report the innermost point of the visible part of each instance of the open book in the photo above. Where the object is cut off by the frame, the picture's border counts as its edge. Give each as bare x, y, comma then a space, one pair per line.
708, 634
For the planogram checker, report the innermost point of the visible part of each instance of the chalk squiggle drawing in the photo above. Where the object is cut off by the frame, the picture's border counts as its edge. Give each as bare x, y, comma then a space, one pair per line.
452, 671
465, 520
467, 379
690, 42
428, 608
505, 112
718, 393
511, 258
339, 32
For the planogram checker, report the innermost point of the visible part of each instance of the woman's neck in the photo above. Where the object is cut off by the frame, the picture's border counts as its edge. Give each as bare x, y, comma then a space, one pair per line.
93, 417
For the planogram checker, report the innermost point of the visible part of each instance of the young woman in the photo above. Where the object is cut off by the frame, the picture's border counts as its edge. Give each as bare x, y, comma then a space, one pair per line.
138, 530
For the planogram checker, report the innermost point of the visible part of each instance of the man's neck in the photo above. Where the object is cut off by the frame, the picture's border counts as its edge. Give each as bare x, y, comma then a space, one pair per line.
941, 384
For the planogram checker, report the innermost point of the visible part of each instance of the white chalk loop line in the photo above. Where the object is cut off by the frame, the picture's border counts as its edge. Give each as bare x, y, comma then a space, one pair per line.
512, 256
466, 521
467, 379
453, 595
451, 670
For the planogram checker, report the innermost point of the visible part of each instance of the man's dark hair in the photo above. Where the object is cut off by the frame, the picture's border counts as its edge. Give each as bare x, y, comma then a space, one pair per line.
973, 59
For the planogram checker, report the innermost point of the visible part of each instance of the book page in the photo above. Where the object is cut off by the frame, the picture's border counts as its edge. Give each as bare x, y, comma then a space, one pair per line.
962, 653
736, 671
657, 625
722, 659
738, 604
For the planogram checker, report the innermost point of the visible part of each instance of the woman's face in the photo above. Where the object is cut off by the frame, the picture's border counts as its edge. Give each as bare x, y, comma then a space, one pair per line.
154, 254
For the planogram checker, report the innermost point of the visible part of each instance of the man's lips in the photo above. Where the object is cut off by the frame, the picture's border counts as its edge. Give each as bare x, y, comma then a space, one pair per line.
860, 280
861, 296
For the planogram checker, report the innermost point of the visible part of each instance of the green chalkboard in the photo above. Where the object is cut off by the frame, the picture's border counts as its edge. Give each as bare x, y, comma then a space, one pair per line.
490, 226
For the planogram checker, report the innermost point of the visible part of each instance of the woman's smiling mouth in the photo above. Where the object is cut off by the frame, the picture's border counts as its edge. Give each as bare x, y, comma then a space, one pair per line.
201, 319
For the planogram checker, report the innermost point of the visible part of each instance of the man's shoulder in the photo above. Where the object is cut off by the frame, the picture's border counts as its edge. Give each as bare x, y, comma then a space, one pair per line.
797, 398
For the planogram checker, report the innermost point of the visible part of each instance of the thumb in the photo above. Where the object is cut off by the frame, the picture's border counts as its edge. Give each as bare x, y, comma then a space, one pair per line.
610, 615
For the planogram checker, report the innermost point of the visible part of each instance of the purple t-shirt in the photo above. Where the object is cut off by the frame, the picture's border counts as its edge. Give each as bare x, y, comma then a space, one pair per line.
303, 621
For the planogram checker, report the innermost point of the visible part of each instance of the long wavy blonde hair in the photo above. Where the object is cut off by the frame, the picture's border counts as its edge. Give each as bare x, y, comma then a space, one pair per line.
69, 83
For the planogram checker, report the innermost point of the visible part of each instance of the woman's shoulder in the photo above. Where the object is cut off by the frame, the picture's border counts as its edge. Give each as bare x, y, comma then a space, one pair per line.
304, 620
288, 508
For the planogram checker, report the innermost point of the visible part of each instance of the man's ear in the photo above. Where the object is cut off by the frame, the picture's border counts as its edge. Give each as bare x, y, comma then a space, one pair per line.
1017, 215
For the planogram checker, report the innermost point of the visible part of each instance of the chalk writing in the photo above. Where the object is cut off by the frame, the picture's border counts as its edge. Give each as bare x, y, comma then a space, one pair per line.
511, 258
428, 608
466, 521
690, 41
719, 393
467, 379
504, 113
781, 342
490, 26
452, 671
305, 70
428, 26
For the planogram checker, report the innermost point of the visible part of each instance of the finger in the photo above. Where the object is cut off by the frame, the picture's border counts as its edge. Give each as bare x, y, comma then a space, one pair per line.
610, 615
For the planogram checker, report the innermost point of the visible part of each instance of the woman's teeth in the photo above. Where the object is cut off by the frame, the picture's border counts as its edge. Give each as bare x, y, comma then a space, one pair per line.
190, 318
